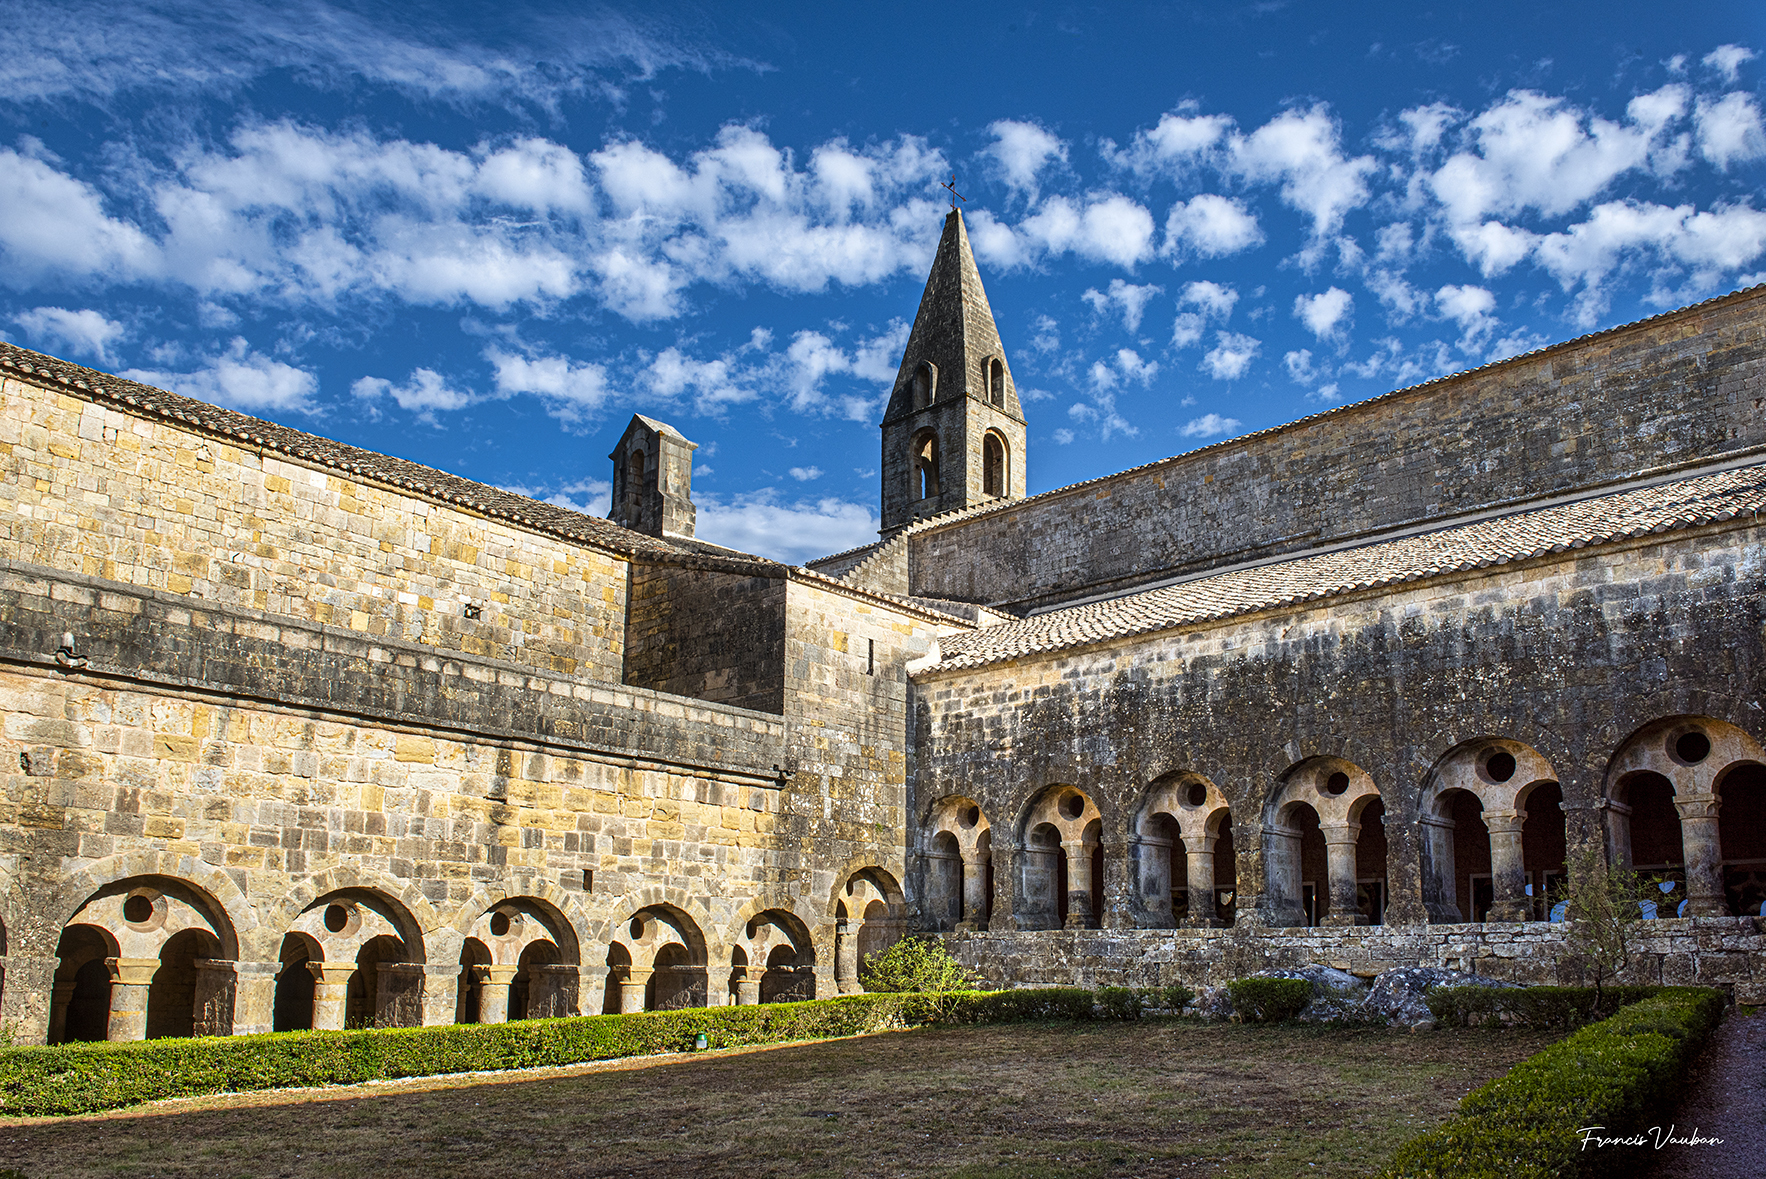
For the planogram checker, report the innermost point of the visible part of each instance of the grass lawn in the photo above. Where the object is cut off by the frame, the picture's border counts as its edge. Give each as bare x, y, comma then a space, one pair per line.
1156, 1098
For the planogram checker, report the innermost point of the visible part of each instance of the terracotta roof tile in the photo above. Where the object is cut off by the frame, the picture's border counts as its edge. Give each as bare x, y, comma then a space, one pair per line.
1685, 503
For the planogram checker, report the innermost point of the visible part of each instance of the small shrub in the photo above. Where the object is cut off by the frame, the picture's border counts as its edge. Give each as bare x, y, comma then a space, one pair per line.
914, 964
1174, 998
1268, 1000
1614, 1074
1124, 1003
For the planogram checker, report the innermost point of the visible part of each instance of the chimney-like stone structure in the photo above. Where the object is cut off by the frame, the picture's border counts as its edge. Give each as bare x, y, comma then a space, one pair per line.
653, 479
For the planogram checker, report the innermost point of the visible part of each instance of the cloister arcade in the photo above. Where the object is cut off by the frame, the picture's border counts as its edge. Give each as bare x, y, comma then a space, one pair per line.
1493, 841
959, 871
1187, 872
1061, 878
151, 956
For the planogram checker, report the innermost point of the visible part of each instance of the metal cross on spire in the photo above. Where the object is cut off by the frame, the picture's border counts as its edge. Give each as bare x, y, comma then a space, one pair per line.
951, 187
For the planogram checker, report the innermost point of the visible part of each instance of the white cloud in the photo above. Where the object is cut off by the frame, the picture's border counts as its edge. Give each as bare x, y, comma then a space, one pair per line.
805, 474
1210, 226
1709, 243
1395, 293
767, 525
1299, 366
1326, 313
1212, 300
1210, 425
1231, 355
1729, 130
1022, 151
1129, 300
1177, 141
1470, 307
1301, 151
56, 225
1101, 409
1727, 60
240, 379
591, 497
83, 333
425, 393
1063, 436
1103, 227
572, 391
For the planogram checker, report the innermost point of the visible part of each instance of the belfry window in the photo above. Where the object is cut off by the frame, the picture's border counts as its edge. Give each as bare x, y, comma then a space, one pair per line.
634, 485
993, 465
924, 385
925, 466
996, 383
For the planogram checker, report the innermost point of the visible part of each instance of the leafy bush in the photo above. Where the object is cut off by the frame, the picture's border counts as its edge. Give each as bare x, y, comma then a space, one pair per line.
914, 964
1616, 1074
1023, 1006
1537, 1007
1268, 1000
1119, 1003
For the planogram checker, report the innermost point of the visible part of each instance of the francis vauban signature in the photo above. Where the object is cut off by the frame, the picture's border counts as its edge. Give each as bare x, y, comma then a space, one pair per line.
1654, 1136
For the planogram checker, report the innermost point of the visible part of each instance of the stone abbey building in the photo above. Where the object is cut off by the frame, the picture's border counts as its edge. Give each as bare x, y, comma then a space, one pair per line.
298, 735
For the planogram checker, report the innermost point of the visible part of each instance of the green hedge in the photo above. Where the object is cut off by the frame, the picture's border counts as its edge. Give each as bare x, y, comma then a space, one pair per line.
1268, 1000
1538, 1007
84, 1078
1620, 1073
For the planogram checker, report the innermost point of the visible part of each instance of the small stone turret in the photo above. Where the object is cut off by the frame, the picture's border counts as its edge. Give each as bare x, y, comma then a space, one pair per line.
653, 479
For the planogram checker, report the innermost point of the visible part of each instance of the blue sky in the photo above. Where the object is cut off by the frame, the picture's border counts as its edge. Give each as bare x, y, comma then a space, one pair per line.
482, 236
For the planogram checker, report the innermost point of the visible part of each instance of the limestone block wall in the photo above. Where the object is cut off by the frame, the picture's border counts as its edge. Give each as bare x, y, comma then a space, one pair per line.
1564, 658
1727, 952
1682, 387
95, 490
708, 634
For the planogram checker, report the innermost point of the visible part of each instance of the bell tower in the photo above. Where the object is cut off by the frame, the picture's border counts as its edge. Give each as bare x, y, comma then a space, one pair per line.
954, 433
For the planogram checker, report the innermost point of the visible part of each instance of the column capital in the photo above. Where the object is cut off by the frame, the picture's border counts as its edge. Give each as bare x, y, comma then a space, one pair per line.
1505, 822
1340, 832
132, 972
334, 974
496, 976
1698, 807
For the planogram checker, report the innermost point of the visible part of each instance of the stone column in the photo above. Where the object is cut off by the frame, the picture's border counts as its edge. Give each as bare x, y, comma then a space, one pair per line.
747, 989
331, 982
1340, 868
1153, 858
846, 954
1202, 913
1116, 908
493, 992
944, 896
27, 998
254, 997
1443, 909
631, 989
1282, 903
59, 998
974, 890
1704, 859
1508, 875
129, 981
1079, 898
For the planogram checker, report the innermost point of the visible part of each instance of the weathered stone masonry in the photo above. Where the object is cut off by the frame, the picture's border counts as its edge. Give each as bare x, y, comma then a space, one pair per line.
296, 735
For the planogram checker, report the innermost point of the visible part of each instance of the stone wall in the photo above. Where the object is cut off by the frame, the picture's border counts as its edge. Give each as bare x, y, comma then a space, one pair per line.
707, 634
1728, 952
1681, 388
1566, 656
94, 490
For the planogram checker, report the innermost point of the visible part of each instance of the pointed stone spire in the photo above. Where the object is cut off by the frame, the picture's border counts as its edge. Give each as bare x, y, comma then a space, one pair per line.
954, 432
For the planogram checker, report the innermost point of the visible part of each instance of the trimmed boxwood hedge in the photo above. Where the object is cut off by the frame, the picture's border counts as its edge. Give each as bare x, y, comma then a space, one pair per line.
84, 1078
1619, 1073
1268, 1000
1537, 1007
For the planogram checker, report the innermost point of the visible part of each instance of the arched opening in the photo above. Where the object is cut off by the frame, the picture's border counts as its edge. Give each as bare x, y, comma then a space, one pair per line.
993, 465
80, 1008
984, 853
172, 995
295, 985
1544, 847
1370, 864
1473, 890
925, 465
469, 991
1042, 903
996, 383
1653, 824
783, 981
524, 990
367, 995
1226, 875
675, 980
619, 970
738, 973
1741, 839
1314, 863
923, 385
634, 486
944, 882
1094, 882
876, 934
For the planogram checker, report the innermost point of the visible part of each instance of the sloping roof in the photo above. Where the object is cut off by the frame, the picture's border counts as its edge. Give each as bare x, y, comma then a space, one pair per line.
1001, 506
1665, 507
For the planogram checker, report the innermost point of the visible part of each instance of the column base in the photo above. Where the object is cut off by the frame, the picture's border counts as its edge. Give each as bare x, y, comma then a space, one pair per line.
1344, 920
1521, 910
